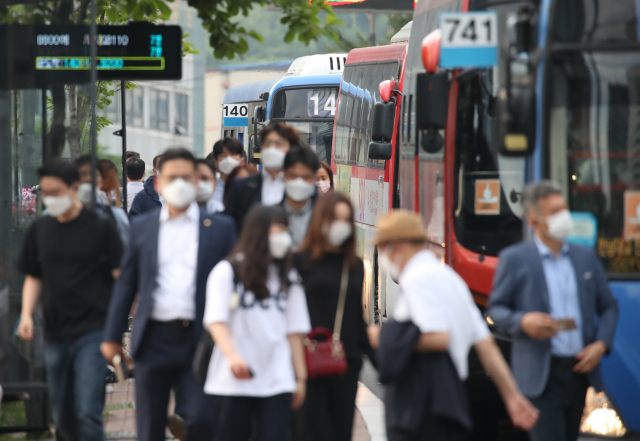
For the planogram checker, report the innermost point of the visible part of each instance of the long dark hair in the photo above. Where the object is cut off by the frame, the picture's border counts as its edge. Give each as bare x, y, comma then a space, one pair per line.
324, 213
253, 268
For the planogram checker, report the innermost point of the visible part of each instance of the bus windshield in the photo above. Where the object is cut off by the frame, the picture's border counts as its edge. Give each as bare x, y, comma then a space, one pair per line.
311, 111
594, 150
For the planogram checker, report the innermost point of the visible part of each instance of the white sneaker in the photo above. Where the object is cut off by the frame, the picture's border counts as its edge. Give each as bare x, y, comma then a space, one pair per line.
109, 389
1, 393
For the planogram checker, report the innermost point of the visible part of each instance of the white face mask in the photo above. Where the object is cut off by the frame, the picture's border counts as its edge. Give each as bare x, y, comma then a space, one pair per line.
323, 186
179, 193
338, 233
84, 193
299, 189
57, 205
205, 191
560, 224
273, 158
228, 164
279, 244
392, 267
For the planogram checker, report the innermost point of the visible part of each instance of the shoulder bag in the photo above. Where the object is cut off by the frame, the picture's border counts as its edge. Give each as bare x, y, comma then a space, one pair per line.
327, 358
204, 349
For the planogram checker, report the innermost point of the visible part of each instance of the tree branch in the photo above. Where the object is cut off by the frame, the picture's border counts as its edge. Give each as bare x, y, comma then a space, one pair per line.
82, 11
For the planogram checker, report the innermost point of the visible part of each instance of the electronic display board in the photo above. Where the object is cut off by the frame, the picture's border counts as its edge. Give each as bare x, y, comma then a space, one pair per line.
39, 55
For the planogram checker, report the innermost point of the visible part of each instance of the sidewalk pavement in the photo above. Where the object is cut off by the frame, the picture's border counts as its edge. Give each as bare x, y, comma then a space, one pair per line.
120, 415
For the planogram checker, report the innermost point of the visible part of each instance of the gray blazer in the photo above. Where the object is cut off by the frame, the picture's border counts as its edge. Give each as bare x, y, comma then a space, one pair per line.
520, 287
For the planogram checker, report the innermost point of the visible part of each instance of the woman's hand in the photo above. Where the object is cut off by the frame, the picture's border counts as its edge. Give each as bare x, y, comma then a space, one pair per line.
374, 336
299, 395
239, 367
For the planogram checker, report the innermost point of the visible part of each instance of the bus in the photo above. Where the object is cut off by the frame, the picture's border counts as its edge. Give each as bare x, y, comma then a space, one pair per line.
559, 101
304, 98
370, 183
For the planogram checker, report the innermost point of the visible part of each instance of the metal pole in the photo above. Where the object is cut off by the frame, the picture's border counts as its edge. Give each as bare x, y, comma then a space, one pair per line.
44, 125
94, 81
123, 103
16, 146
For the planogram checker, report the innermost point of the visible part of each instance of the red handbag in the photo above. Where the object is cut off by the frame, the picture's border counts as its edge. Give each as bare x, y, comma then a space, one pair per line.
326, 358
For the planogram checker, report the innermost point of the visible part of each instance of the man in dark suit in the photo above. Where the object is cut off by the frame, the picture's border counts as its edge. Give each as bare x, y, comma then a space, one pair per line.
553, 298
171, 252
267, 187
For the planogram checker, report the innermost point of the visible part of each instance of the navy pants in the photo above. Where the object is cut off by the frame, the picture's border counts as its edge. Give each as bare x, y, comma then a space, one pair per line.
269, 418
561, 403
164, 362
76, 372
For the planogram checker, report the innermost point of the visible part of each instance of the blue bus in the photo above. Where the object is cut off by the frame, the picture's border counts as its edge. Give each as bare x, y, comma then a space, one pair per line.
305, 98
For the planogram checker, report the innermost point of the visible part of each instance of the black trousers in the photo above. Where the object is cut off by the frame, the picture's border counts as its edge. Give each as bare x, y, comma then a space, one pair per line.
433, 429
162, 363
255, 418
328, 410
561, 403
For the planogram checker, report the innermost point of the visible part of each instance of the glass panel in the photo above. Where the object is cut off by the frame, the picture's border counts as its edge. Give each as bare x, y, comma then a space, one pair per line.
182, 114
135, 106
317, 136
596, 21
305, 103
595, 148
159, 110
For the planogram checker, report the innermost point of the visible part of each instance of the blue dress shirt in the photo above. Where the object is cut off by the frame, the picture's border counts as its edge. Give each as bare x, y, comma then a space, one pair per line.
563, 298
218, 193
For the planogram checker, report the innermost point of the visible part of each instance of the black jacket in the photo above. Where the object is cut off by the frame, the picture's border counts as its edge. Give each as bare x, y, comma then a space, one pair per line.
145, 200
243, 194
418, 384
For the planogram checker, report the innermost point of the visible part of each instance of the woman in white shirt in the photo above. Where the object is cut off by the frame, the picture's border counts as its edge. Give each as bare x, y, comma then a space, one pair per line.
257, 368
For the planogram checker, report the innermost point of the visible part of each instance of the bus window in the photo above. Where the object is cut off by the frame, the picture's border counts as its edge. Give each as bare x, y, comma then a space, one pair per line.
341, 143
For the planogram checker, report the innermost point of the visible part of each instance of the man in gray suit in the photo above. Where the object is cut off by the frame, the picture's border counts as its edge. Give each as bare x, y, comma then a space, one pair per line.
547, 294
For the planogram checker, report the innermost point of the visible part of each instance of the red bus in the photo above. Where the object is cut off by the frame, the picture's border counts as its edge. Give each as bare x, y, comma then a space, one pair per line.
372, 184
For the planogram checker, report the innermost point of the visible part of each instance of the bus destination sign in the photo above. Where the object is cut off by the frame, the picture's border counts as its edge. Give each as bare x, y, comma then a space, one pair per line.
39, 56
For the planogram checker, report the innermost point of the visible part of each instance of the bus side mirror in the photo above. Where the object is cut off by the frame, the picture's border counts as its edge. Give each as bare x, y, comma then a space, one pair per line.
259, 114
254, 149
517, 99
384, 115
517, 111
432, 100
380, 150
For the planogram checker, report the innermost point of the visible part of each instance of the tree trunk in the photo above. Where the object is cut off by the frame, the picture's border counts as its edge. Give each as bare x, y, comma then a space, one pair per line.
57, 133
73, 129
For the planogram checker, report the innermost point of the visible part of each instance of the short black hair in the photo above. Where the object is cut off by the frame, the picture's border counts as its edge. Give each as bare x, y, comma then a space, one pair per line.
207, 163
58, 168
233, 145
176, 153
81, 161
303, 155
131, 154
135, 168
156, 160
210, 157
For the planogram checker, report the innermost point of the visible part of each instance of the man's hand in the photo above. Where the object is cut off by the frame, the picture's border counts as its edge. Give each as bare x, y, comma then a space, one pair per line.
109, 349
299, 394
374, 336
25, 328
589, 357
522, 413
539, 325
239, 367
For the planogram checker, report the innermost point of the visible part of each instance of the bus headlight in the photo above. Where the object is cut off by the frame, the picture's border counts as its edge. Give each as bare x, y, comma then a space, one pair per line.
600, 418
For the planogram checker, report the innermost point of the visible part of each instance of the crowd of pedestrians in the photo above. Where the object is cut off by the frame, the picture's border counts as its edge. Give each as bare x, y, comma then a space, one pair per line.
264, 265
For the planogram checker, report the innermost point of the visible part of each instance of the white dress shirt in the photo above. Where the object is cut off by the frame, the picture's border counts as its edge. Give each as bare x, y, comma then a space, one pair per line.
218, 193
272, 189
175, 295
436, 299
213, 206
133, 188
